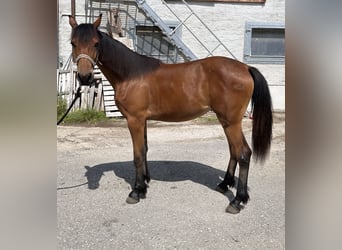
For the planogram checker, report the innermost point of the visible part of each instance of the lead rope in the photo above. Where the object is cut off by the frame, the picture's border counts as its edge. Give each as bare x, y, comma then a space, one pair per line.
78, 94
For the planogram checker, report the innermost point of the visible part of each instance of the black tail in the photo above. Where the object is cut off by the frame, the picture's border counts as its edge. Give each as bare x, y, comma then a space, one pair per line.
262, 115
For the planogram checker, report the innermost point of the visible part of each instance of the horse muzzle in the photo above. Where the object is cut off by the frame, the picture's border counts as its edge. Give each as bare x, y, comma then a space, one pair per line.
85, 79
85, 71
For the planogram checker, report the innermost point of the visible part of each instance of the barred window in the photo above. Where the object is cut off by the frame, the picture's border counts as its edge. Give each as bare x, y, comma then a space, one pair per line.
264, 43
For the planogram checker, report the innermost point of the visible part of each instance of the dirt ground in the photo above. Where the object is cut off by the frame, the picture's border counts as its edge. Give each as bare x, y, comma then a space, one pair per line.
181, 211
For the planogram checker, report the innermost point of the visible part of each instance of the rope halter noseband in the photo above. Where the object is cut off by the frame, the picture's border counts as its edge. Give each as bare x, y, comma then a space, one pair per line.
80, 56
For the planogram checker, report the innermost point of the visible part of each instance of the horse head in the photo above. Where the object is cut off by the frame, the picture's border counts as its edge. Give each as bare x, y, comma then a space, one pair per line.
85, 40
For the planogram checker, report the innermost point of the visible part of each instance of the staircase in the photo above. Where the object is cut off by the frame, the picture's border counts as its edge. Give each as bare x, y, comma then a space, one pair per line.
171, 33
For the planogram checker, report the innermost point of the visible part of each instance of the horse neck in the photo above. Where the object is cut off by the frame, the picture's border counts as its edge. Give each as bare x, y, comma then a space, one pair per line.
121, 62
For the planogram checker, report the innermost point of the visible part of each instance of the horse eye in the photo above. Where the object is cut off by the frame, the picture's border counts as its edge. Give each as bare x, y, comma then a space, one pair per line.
73, 45
96, 45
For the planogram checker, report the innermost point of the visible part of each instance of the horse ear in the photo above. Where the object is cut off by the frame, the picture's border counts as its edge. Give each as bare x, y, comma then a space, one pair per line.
98, 21
72, 21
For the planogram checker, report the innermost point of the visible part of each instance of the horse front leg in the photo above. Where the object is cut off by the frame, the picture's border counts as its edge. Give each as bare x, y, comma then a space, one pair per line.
137, 129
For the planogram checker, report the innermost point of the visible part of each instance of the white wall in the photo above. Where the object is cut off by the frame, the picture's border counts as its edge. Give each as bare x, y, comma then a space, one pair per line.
226, 20
64, 27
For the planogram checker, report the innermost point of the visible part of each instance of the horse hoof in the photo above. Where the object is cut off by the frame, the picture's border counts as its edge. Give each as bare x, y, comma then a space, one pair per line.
232, 209
131, 200
135, 196
221, 188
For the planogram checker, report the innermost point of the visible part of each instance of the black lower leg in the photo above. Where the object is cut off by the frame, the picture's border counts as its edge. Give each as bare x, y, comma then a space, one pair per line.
139, 192
140, 186
229, 178
242, 189
147, 173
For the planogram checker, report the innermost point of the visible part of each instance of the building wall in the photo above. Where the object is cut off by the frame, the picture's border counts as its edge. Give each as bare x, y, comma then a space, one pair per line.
64, 27
226, 20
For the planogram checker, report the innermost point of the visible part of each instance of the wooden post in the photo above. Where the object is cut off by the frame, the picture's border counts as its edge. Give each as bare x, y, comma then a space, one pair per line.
91, 96
73, 12
98, 101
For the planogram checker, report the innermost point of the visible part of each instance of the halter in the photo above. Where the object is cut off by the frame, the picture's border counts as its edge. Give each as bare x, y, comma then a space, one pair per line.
80, 56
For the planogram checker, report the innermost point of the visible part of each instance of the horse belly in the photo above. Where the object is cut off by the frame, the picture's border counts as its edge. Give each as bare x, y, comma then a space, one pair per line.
178, 116
176, 108
179, 93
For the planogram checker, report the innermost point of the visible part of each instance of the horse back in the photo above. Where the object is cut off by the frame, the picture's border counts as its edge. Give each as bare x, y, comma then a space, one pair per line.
179, 92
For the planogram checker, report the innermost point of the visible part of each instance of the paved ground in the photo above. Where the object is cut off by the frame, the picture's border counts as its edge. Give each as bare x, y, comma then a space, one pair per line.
181, 211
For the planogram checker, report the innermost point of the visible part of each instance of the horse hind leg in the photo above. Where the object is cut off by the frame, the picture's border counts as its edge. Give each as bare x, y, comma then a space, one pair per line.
242, 188
240, 153
229, 178
147, 173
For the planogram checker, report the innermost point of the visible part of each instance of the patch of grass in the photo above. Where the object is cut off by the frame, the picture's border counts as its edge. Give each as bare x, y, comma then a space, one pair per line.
209, 118
61, 107
89, 116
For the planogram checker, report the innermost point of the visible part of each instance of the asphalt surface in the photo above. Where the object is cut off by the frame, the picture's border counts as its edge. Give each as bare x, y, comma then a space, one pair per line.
182, 210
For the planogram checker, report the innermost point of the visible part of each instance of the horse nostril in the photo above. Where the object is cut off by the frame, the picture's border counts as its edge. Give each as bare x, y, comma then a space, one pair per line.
85, 79
90, 77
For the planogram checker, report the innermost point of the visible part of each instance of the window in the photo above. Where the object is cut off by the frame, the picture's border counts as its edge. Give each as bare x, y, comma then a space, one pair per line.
264, 43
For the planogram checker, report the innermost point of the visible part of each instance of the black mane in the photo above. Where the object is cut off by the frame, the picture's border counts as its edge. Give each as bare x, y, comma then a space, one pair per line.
124, 62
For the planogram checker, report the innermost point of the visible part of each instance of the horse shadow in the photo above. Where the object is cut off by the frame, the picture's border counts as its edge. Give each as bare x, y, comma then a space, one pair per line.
168, 171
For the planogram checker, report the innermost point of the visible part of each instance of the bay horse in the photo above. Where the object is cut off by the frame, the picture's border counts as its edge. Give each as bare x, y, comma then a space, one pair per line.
147, 89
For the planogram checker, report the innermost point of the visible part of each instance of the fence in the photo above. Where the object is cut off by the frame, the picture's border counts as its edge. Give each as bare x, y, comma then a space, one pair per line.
100, 96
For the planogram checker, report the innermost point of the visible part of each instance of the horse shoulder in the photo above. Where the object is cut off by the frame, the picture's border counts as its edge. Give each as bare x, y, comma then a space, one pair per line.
132, 95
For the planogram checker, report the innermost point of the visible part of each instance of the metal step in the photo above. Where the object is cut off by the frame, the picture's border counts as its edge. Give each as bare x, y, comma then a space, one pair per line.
143, 5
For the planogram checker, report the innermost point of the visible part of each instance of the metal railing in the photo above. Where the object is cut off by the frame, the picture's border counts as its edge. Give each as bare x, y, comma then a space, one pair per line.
172, 33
